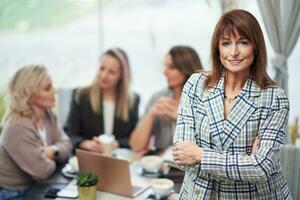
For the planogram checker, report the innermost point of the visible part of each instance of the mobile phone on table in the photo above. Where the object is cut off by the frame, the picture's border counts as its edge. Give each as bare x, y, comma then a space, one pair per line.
51, 193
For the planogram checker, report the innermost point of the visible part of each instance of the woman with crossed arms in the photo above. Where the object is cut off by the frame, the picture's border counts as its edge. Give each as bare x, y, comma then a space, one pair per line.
222, 112
31, 142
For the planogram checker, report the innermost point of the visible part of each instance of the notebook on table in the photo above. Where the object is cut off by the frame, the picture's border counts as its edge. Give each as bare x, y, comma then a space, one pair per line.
113, 173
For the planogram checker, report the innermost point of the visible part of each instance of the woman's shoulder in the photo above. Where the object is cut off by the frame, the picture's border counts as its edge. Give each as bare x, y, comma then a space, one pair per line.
14, 128
20, 122
82, 94
275, 94
136, 97
200, 75
274, 91
165, 92
197, 82
50, 116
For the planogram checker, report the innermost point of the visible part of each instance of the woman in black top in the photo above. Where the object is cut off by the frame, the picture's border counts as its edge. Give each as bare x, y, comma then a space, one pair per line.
106, 106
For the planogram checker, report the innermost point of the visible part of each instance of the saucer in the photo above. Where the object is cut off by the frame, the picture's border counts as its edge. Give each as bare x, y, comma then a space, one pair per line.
122, 153
165, 197
68, 172
151, 174
156, 197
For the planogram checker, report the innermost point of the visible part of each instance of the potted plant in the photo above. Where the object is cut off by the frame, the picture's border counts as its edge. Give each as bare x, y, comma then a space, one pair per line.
86, 183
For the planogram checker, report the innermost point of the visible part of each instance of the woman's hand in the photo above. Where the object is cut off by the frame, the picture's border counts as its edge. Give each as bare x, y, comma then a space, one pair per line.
187, 153
91, 145
255, 145
49, 152
165, 107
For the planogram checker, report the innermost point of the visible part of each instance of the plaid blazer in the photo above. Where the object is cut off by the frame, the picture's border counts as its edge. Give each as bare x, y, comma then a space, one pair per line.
228, 170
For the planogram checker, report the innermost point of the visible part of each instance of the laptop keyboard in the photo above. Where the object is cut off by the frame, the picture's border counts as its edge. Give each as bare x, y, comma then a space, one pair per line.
135, 189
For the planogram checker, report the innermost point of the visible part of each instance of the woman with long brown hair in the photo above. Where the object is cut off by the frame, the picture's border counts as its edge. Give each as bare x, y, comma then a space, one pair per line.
232, 121
161, 112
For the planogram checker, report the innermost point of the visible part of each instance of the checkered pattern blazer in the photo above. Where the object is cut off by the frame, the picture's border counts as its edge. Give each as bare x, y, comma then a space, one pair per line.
228, 170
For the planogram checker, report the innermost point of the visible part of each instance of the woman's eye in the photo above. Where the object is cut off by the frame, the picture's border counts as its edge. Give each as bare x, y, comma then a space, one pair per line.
48, 88
102, 68
244, 42
225, 43
112, 72
171, 66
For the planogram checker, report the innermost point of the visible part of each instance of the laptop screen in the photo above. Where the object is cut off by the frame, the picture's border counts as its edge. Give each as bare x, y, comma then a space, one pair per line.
113, 173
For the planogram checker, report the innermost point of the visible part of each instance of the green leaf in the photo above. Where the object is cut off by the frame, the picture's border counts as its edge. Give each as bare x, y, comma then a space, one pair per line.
85, 179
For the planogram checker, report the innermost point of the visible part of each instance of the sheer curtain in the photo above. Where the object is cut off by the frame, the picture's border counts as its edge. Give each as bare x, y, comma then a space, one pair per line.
282, 21
290, 164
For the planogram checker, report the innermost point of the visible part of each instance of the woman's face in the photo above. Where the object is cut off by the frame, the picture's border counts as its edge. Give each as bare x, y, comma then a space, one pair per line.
236, 53
45, 96
175, 78
110, 72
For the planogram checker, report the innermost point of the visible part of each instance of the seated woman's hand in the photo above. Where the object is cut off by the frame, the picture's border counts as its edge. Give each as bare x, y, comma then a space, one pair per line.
165, 107
91, 145
187, 153
49, 152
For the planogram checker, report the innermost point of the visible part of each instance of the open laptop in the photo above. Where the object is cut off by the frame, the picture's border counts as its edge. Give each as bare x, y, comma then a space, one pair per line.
113, 173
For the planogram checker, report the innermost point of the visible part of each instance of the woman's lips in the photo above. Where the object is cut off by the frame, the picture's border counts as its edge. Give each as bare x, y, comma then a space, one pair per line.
104, 82
235, 62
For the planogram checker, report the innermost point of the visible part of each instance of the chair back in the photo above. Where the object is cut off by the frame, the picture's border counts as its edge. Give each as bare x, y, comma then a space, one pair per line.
290, 164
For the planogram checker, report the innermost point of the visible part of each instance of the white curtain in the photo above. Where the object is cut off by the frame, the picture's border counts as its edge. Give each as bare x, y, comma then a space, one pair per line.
290, 164
282, 22
227, 5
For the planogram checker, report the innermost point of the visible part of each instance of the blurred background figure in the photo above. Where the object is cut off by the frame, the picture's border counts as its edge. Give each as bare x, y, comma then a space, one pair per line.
31, 141
161, 112
106, 106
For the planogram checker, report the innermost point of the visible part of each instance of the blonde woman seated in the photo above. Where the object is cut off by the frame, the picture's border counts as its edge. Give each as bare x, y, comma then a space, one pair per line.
161, 111
106, 106
31, 143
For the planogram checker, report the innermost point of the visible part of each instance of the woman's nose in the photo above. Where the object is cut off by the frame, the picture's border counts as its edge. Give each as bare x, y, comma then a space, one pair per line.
166, 71
235, 50
103, 74
54, 91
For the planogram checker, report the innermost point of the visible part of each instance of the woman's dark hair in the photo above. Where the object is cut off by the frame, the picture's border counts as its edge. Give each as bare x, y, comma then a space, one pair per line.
245, 24
185, 59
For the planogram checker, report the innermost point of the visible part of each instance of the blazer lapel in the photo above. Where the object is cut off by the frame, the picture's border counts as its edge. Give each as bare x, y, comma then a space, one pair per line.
117, 121
214, 106
99, 119
241, 111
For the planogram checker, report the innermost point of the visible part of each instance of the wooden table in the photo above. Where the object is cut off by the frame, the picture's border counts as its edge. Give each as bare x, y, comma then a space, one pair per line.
57, 180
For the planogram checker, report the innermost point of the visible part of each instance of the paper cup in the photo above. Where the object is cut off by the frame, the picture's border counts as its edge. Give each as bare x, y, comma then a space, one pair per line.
107, 142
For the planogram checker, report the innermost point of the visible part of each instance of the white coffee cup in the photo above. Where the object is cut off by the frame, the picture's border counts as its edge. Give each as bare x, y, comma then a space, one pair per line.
73, 161
162, 186
107, 141
152, 163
